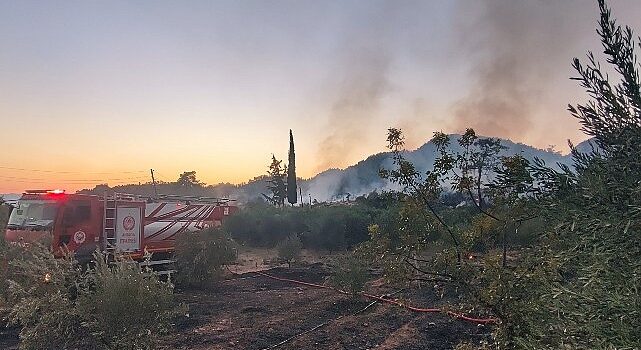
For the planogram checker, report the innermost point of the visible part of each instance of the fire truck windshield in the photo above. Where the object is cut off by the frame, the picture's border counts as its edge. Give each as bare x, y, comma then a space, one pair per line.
33, 214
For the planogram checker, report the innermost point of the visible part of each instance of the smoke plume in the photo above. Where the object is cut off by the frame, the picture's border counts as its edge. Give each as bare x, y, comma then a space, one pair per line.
517, 50
360, 81
365, 83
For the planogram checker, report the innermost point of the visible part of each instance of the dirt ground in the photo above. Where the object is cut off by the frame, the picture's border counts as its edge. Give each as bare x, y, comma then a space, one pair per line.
256, 312
249, 311
8, 338
260, 259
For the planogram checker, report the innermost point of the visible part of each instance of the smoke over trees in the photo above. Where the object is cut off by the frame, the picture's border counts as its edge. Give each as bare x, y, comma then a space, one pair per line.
497, 66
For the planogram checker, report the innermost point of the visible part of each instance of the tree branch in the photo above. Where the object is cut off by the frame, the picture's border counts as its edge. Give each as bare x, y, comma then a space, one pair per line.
427, 272
481, 209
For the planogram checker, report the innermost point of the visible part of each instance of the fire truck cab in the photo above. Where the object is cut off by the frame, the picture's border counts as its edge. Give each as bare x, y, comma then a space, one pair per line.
82, 223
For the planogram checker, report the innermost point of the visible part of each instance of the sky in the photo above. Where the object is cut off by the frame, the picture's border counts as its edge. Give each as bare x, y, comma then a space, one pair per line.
102, 91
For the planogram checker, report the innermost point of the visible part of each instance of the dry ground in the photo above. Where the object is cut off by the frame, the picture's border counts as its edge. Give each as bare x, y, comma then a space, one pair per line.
248, 311
260, 259
8, 338
256, 312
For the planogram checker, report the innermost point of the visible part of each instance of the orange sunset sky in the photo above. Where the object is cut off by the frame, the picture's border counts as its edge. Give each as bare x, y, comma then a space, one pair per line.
101, 91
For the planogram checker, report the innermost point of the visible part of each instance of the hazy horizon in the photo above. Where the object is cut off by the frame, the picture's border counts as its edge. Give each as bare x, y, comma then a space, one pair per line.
95, 92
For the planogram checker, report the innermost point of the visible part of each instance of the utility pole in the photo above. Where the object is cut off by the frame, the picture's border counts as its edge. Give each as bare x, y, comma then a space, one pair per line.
153, 181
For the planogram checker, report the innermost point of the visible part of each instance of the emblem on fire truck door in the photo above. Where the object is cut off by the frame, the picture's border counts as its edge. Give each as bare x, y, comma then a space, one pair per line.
128, 223
79, 237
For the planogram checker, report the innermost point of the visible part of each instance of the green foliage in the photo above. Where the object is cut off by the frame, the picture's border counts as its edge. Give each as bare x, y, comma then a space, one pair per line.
60, 306
594, 301
424, 191
335, 227
292, 196
40, 297
123, 307
574, 273
201, 256
349, 274
52, 323
260, 225
188, 180
276, 183
289, 249
508, 292
5, 210
465, 171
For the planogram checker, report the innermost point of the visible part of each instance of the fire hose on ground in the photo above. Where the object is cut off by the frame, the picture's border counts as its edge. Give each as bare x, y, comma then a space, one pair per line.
453, 314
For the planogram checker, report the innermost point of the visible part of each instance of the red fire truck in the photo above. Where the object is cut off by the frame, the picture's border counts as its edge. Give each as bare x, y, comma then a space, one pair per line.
127, 223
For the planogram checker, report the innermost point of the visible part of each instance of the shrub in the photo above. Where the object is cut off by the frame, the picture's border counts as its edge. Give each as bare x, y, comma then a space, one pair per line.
124, 307
327, 230
4, 247
324, 227
201, 256
5, 210
289, 249
259, 225
52, 323
60, 306
4, 250
40, 294
349, 274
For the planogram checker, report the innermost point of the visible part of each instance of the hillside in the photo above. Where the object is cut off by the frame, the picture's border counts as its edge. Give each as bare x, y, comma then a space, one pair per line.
362, 177
337, 184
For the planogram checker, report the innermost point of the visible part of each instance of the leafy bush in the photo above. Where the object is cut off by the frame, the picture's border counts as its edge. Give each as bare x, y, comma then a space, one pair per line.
331, 227
124, 307
593, 299
4, 247
60, 306
259, 225
289, 249
40, 294
574, 272
5, 210
201, 256
349, 274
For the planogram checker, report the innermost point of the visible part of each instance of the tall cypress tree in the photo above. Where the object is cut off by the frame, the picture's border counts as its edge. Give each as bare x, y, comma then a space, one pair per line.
292, 196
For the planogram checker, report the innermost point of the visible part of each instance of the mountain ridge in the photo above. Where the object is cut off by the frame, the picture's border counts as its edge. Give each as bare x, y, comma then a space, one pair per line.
337, 184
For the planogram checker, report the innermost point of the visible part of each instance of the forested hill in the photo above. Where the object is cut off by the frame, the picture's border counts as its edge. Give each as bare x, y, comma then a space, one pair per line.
363, 178
337, 184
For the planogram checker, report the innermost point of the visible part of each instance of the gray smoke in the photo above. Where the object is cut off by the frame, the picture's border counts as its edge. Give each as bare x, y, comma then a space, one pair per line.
517, 55
365, 83
359, 83
518, 50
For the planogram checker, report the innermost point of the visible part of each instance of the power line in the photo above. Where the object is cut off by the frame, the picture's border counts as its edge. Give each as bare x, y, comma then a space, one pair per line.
48, 184
74, 172
160, 176
137, 178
